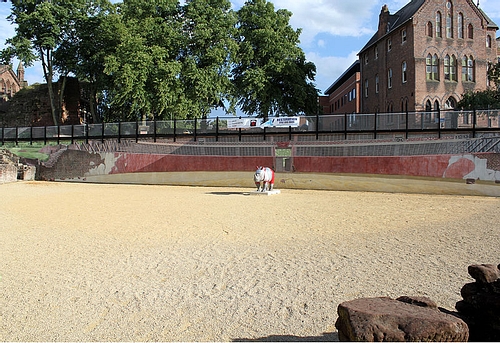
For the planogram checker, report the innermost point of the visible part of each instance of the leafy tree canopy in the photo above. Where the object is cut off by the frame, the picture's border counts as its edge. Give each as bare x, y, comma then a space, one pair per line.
482, 100
163, 59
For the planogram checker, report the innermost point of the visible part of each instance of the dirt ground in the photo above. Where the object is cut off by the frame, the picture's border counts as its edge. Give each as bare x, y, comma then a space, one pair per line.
89, 262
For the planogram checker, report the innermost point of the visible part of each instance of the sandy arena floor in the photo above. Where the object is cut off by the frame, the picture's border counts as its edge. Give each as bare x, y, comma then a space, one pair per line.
88, 262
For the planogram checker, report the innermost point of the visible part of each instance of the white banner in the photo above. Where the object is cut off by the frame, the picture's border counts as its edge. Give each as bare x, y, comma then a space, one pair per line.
243, 123
282, 122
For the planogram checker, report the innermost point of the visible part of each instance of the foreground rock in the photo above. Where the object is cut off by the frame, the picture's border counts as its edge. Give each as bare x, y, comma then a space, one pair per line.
480, 307
386, 319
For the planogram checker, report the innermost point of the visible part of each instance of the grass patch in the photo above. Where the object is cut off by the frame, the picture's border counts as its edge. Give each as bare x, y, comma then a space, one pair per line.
27, 151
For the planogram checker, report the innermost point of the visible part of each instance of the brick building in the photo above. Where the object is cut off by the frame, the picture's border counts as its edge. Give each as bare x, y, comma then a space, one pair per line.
425, 56
10, 82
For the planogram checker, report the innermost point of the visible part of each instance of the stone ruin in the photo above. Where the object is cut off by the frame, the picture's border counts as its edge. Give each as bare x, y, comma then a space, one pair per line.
420, 319
11, 169
480, 307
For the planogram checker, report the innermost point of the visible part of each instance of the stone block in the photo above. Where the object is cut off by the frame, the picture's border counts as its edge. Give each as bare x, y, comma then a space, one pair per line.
384, 319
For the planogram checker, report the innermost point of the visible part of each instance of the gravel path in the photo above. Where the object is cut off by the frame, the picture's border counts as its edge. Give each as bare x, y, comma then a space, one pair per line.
88, 262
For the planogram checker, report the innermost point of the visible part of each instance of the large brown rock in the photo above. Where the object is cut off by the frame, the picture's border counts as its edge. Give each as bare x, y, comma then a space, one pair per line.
484, 273
384, 319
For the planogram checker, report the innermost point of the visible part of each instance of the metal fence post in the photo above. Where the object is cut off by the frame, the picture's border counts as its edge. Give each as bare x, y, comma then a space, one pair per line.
375, 118
345, 126
195, 125
31, 134
217, 129
175, 129
136, 131
72, 133
119, 131
474, 122
3, 135
439, 122
102, 132
17, 135
86, 132
154, 128
406, 124
58, 134
317, 126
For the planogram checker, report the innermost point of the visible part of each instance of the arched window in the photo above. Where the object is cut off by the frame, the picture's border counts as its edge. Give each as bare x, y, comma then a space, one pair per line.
432, 67
488, 41
449, 25
447, 68
453, 68
468, 69
450, 104
470, 31
460, 24
404, 68
428, 106
366, 88
377, 84
389, 78
436, 105
438, 24
429, 29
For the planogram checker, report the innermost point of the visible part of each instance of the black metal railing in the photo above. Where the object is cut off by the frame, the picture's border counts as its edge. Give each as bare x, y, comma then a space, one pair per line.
375, 125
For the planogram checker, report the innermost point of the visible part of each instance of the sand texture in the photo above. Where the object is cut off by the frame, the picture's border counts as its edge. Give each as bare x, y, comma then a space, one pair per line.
89, 262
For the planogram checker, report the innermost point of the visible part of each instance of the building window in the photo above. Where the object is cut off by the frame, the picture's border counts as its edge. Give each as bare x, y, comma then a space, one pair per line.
389, 78
404, 72
430, 30
470, 31
389, 44
450, 68
460, 24
403, 36
366, 58
432, 67
376, 51
438, 24
449, 26
468, 69
488, 41
449, 20
453, 68
366, 88
377, 84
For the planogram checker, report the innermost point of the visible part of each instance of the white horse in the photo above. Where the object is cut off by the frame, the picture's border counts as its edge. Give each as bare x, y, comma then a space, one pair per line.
264, 179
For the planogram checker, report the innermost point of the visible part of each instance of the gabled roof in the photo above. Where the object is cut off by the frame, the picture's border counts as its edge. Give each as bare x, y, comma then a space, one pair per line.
406, 13
353, 69
396, 20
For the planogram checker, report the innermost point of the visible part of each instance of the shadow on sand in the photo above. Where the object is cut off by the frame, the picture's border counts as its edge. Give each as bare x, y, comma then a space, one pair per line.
229, 193
326, 337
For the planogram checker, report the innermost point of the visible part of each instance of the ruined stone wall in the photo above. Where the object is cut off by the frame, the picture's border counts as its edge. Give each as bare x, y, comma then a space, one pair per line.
8, 173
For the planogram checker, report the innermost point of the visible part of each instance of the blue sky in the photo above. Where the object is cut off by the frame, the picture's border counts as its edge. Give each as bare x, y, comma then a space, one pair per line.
333, 31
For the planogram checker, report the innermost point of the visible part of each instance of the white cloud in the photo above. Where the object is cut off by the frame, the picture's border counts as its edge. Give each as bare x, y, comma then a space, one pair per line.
329, 68
338, 18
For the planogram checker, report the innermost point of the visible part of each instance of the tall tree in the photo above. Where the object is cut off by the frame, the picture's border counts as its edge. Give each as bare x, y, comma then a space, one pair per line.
271, 75
145, 66
210, 26
41, 27
93, 38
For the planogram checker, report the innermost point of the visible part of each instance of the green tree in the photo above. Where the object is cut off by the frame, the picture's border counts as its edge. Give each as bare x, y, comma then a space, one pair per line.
41, 27
93, 38
145, 66
207, 57
481, 100
271, 75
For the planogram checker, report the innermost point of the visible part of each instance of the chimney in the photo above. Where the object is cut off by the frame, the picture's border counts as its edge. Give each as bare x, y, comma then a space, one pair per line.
383, 21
